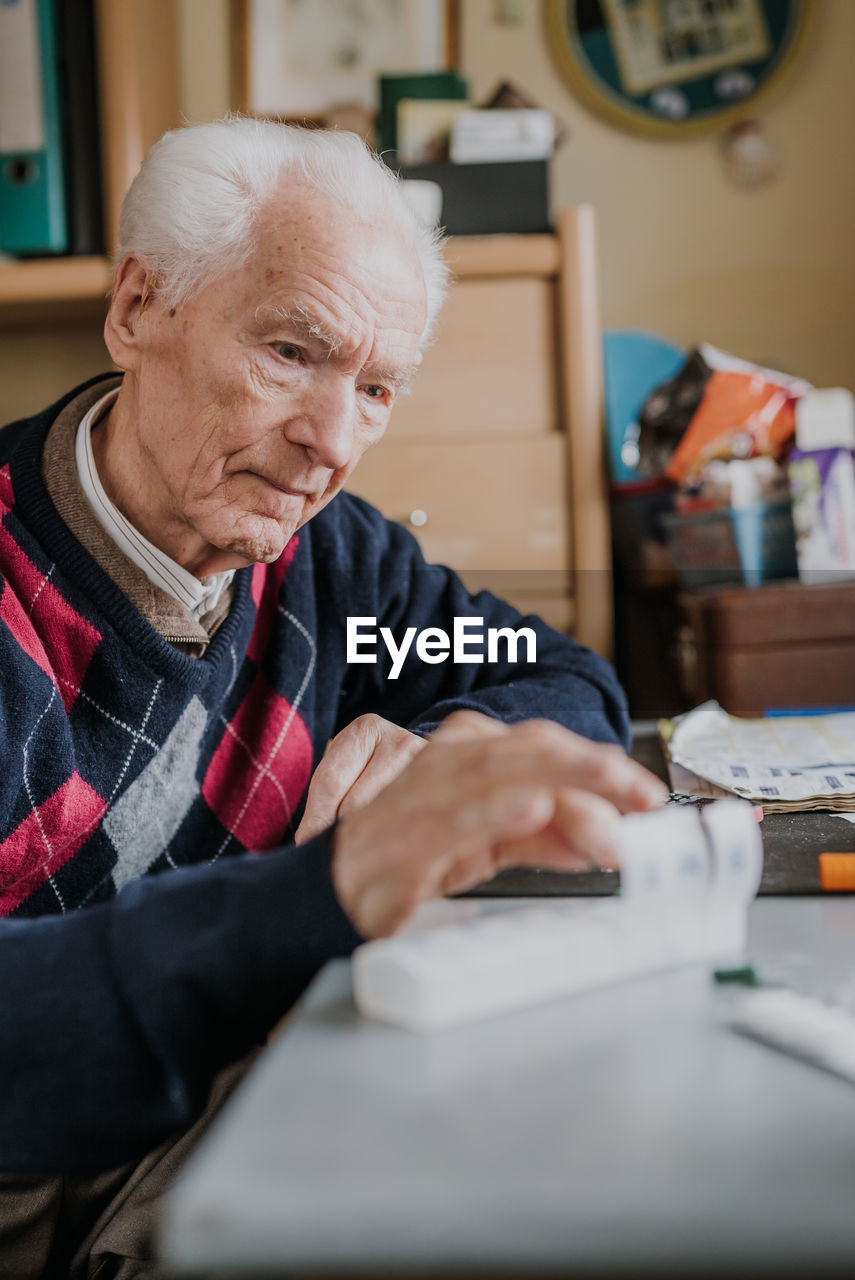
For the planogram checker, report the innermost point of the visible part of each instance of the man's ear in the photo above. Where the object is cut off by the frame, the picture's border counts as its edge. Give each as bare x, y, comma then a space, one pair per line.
132, 292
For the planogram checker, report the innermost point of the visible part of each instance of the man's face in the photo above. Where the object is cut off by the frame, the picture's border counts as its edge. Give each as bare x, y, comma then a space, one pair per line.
255, 399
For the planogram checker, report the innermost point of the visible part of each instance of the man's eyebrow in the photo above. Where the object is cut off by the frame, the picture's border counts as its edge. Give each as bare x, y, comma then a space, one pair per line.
299, 320
398, 379
304, 324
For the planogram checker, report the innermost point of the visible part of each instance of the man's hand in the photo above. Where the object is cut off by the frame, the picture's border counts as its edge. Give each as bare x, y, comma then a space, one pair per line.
359, 762
364, 758
480, 796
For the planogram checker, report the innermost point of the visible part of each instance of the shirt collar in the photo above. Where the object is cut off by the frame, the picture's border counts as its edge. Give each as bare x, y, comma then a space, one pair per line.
198, 595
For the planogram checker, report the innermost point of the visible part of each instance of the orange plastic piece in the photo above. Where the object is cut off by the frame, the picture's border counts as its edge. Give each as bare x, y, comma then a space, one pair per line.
733, 404
837, 871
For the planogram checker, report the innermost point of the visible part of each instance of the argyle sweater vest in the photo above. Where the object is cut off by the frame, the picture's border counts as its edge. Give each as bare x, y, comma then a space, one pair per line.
122, 756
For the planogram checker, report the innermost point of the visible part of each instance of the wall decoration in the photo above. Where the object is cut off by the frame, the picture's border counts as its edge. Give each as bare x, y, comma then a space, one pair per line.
750, 157
302, 58
675, 68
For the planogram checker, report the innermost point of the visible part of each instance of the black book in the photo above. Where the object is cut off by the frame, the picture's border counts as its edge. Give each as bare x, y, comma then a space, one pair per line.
77, 68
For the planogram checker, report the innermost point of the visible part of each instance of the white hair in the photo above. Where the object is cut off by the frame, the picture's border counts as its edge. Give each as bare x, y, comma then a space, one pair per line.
192, 209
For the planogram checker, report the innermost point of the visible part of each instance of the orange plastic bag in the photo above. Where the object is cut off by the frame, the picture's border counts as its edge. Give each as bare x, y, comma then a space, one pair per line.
740, 415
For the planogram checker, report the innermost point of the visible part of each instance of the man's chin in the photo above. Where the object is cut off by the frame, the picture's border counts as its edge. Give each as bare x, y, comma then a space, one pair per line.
239, 551
258, 552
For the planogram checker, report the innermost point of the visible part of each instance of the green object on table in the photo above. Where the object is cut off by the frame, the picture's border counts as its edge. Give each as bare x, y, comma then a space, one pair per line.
744, 975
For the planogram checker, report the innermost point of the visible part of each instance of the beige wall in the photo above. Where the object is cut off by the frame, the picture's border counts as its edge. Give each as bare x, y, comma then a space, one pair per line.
38, 365
204, 34
768, 273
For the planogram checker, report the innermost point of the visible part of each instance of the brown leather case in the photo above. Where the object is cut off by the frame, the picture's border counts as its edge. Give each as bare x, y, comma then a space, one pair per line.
783, 645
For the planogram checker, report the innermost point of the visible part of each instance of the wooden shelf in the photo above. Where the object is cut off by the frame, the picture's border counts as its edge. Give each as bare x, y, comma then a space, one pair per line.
54, 280
524, 255
53, 291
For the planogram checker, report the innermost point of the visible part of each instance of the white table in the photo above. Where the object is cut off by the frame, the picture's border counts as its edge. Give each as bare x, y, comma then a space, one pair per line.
621, 1130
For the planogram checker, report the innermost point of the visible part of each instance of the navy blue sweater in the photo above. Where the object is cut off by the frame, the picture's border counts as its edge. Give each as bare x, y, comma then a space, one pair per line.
122, 991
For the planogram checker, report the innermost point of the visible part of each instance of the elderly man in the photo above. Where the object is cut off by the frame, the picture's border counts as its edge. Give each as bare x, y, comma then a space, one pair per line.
177, 584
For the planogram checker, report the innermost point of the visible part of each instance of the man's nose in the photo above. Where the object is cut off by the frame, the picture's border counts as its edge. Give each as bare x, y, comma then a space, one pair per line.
327, 424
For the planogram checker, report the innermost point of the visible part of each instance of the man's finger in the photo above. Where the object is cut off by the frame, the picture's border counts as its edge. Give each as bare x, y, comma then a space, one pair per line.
463, 725
545, 850
464, 794
359, 762
344, 760
389, 758
579, 834
604, 769
587, 826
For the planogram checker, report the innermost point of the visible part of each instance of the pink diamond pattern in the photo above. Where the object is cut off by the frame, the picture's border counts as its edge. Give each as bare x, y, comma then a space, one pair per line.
260, 769
46, 839
42, 621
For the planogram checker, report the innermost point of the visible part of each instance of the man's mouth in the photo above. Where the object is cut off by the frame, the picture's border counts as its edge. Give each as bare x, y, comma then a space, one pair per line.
288, 490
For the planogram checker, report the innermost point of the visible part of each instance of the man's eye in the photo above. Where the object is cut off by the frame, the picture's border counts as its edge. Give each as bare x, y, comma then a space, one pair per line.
287, 350
375, 392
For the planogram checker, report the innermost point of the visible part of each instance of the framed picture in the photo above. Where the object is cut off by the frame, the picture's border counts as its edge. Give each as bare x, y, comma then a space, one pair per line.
672, 68
303, 59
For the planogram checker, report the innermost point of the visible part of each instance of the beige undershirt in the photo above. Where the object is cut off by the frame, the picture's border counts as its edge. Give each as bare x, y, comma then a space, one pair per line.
59, 471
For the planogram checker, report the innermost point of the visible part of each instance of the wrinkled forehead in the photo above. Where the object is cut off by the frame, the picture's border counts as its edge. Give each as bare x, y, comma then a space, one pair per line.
306, 240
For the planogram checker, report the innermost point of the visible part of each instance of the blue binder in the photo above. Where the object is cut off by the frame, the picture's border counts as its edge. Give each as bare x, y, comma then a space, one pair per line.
32, 183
